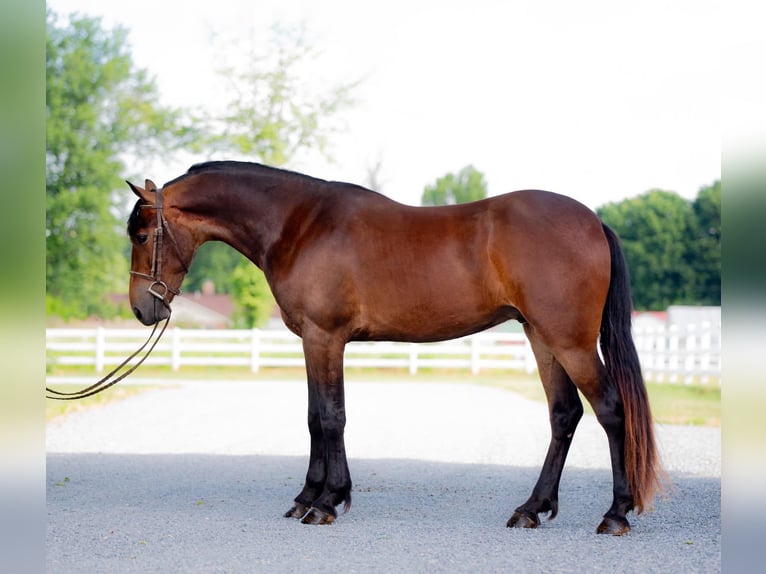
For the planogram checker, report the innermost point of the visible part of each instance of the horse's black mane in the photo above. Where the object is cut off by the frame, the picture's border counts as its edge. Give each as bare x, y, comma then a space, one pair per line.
197, 168
255, 168
231, 165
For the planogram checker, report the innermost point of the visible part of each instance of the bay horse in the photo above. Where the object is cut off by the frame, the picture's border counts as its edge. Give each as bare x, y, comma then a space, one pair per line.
348, 264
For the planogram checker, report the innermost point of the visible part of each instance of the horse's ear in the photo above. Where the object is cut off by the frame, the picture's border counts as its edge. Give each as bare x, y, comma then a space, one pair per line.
144, 193
149, 185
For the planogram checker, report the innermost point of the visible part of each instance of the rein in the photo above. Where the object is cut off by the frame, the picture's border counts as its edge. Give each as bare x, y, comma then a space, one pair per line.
105, 383
156, 279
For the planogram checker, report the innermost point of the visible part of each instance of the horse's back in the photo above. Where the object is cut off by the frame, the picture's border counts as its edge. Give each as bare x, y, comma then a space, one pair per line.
517, 233
439, 272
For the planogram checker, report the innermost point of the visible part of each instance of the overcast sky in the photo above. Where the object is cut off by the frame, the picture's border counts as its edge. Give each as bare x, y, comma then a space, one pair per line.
597, 99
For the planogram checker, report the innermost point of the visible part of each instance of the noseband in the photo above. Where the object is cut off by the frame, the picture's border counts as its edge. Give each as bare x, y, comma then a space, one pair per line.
156, 273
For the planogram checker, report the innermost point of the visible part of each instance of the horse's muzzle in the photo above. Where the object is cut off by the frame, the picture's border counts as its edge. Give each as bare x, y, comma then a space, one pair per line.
152, 313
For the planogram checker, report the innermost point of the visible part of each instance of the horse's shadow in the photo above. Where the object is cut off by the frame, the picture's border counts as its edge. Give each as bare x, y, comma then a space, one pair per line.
151, 507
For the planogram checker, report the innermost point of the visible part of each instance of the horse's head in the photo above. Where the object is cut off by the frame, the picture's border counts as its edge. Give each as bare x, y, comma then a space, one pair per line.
158, 259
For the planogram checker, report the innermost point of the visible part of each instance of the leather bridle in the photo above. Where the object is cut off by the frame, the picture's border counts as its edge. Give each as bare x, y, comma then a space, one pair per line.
156, 280
156, 272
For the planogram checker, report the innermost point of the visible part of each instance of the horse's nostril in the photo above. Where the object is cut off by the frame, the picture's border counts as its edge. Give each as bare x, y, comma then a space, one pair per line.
137, 313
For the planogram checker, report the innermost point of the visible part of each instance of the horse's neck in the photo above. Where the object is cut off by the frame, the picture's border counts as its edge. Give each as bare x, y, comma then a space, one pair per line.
247, 213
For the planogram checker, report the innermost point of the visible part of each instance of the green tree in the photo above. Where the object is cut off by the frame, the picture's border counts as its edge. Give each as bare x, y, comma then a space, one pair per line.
214, 261
252, 295
466, 185
705, 257
270, 117
657, 232
99, 107
272, 113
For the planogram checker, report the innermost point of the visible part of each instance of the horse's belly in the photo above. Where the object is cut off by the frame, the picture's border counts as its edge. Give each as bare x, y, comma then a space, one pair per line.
428, 322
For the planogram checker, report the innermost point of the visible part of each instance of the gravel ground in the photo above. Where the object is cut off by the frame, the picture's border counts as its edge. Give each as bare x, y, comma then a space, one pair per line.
194, 477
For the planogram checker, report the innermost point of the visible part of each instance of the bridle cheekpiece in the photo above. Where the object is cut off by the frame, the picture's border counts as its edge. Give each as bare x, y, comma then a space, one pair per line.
156, 272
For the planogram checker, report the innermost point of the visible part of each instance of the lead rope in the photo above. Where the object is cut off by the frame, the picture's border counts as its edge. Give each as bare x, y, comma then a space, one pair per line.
104, 383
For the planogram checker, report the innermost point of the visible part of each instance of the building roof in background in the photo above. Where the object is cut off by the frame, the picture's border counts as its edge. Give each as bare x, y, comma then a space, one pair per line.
210, 311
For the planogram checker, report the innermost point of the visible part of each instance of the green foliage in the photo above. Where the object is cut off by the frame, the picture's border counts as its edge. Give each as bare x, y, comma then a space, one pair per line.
252, 295
214, 261
272, 115
467, 185
232, 273
98, 107
56, 308
707, 255
672, 247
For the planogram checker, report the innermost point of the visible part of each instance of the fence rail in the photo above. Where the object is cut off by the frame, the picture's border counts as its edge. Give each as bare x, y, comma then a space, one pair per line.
689, 356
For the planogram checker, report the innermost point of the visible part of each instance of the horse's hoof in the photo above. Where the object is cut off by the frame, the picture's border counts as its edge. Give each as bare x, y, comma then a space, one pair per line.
523, 520
297, 511
614, 526
316, 516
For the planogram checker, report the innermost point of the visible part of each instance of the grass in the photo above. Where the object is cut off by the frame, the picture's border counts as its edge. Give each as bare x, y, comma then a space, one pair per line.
55, 409
672, 403
697, 405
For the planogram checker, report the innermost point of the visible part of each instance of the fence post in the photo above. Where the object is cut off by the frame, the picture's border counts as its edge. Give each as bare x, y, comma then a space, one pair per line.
175, 349
706, 348
659, 352
662, 362
690, 354
673, 337
530, 364
100, 349
413, 358
255, 350
475, 355
640, 338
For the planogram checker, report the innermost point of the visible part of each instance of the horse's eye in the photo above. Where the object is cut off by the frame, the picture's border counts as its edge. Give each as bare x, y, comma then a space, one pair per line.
141, 238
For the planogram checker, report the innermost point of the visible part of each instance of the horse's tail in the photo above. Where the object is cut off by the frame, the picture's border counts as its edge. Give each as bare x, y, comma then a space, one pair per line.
642, 465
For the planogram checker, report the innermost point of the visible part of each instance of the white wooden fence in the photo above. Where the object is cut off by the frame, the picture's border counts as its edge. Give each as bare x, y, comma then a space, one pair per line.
672, 355
280, 348
680, 353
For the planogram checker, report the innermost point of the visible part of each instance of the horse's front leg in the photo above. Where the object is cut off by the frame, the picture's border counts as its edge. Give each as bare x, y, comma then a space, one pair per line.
317, 472
328, 481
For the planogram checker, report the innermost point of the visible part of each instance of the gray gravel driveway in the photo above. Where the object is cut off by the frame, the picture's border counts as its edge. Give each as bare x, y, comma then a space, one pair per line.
194, 477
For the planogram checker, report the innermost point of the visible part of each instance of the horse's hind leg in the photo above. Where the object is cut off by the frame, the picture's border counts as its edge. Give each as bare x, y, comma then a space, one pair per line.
592, 379
565, 409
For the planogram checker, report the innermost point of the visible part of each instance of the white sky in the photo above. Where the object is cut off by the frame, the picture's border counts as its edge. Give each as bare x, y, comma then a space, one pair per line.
596, 99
